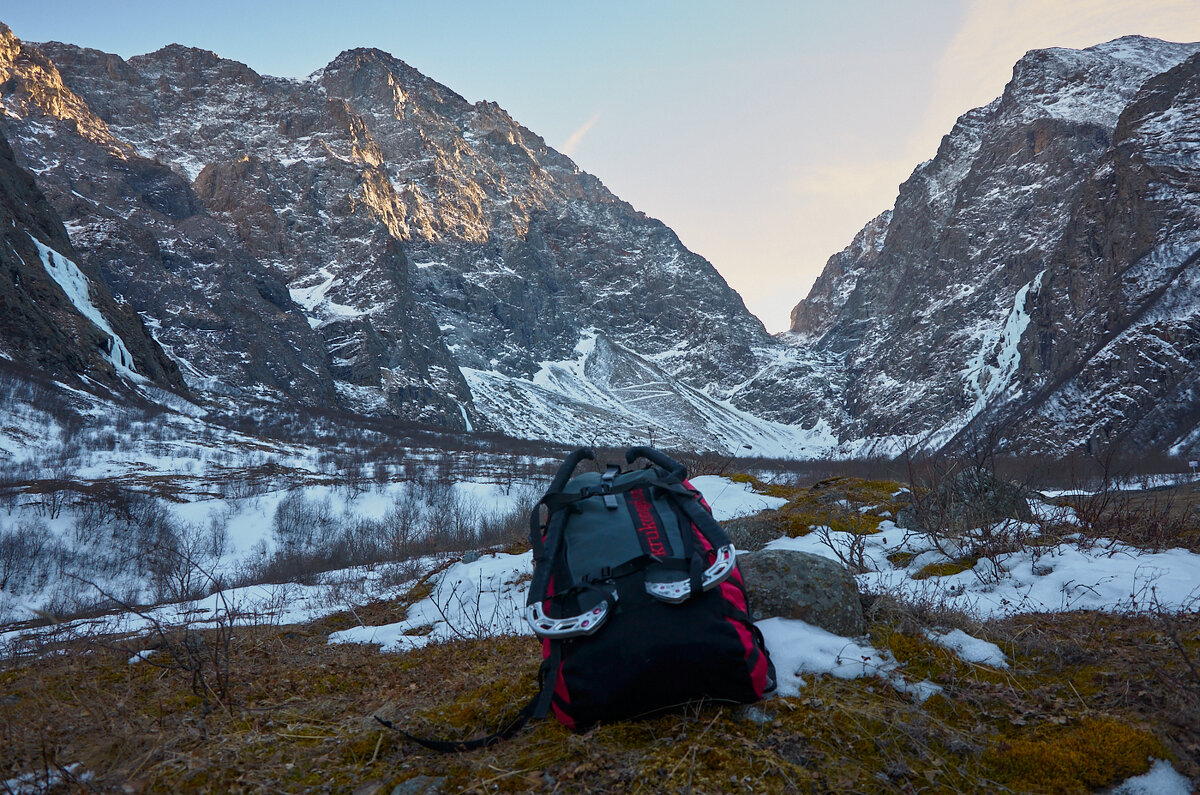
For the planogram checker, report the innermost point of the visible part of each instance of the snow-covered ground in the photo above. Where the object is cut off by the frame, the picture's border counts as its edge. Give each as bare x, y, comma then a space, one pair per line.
605, 386
1104, 575
493, 578
227, 537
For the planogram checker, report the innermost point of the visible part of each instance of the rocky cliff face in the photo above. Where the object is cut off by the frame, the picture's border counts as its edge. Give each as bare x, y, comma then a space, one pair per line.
55, 315
1115, 340
367, 239
1033, 276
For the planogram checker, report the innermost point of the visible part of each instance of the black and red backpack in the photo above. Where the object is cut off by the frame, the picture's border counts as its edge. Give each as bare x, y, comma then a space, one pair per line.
637, 598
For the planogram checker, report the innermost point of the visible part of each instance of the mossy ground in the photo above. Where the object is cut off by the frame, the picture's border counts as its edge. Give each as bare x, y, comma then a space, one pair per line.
1088, 700
944, 569
844, 504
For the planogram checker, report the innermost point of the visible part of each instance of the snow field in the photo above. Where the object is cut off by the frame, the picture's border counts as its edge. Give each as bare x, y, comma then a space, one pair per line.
238, 534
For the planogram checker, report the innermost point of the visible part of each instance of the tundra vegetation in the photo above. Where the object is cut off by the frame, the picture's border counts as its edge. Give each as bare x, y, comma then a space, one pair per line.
237, 701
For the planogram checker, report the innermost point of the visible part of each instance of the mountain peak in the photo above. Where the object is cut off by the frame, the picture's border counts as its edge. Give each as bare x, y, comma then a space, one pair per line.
365, 71
181, 52
193, 62
1088, 86
358, 57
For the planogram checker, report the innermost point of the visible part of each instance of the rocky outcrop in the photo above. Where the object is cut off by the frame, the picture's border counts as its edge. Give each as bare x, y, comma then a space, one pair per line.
60, 331
1115, 339
792, 584
973, 498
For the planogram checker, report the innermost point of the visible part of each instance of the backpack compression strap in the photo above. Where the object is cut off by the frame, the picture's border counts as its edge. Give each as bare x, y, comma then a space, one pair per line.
545, 552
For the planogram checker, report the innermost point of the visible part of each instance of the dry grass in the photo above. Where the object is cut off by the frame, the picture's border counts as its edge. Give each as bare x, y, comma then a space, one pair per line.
1151, 519
1088, 699
843, 504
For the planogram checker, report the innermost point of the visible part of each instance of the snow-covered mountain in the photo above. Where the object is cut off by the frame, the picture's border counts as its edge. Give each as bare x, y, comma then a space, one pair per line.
366, 240
1039, 275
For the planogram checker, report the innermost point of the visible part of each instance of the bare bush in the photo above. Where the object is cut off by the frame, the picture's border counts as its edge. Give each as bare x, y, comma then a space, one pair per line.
29, 557
310, 539
200, 650
962, 509
849, 548
302, 525
401, 523
478, 609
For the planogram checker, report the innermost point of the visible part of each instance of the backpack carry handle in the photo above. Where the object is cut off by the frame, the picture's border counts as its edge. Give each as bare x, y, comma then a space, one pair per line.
657, 457
568, 467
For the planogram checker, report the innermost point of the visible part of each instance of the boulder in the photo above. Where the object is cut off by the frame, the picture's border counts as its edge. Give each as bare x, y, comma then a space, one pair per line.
752, 533
968, 500
792, 584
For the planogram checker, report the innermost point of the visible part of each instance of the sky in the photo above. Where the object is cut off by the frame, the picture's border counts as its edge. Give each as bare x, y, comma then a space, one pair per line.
766, 133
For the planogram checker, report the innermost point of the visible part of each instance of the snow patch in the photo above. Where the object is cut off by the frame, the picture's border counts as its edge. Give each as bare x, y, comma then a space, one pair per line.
729, 499
1162, 779
968, 648
317, 304
78, 289
987, 380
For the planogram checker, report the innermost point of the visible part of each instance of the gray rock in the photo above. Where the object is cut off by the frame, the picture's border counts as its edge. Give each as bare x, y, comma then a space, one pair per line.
40, 325
755, 715
420, 785
752, 533
967, 500
792, 584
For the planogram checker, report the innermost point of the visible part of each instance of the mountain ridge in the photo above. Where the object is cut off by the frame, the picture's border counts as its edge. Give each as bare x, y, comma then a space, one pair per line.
986, 222
368, 240
503, 253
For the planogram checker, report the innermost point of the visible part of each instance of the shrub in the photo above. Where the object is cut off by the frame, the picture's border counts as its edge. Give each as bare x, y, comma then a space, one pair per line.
29, 557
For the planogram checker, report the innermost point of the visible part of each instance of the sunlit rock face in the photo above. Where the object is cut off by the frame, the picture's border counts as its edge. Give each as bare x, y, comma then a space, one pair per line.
1037, 275
56, 314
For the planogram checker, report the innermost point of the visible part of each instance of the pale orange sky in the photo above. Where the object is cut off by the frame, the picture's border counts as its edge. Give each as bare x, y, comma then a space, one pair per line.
820, 197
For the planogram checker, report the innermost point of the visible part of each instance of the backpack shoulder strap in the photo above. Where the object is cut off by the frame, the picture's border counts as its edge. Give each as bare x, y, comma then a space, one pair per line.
536, 709
546, 539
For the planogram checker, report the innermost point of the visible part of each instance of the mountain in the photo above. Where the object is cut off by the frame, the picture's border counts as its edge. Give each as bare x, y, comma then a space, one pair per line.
365, 240
368, 240
59, 317
1038, 279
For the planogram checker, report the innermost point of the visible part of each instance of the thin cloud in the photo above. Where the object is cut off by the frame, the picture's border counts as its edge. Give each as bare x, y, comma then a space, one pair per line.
574, 138
995, 33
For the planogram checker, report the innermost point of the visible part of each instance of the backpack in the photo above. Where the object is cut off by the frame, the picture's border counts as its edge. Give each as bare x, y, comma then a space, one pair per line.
637, 599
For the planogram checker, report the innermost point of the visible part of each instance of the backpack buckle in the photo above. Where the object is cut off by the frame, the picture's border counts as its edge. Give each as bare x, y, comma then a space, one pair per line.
606, 486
